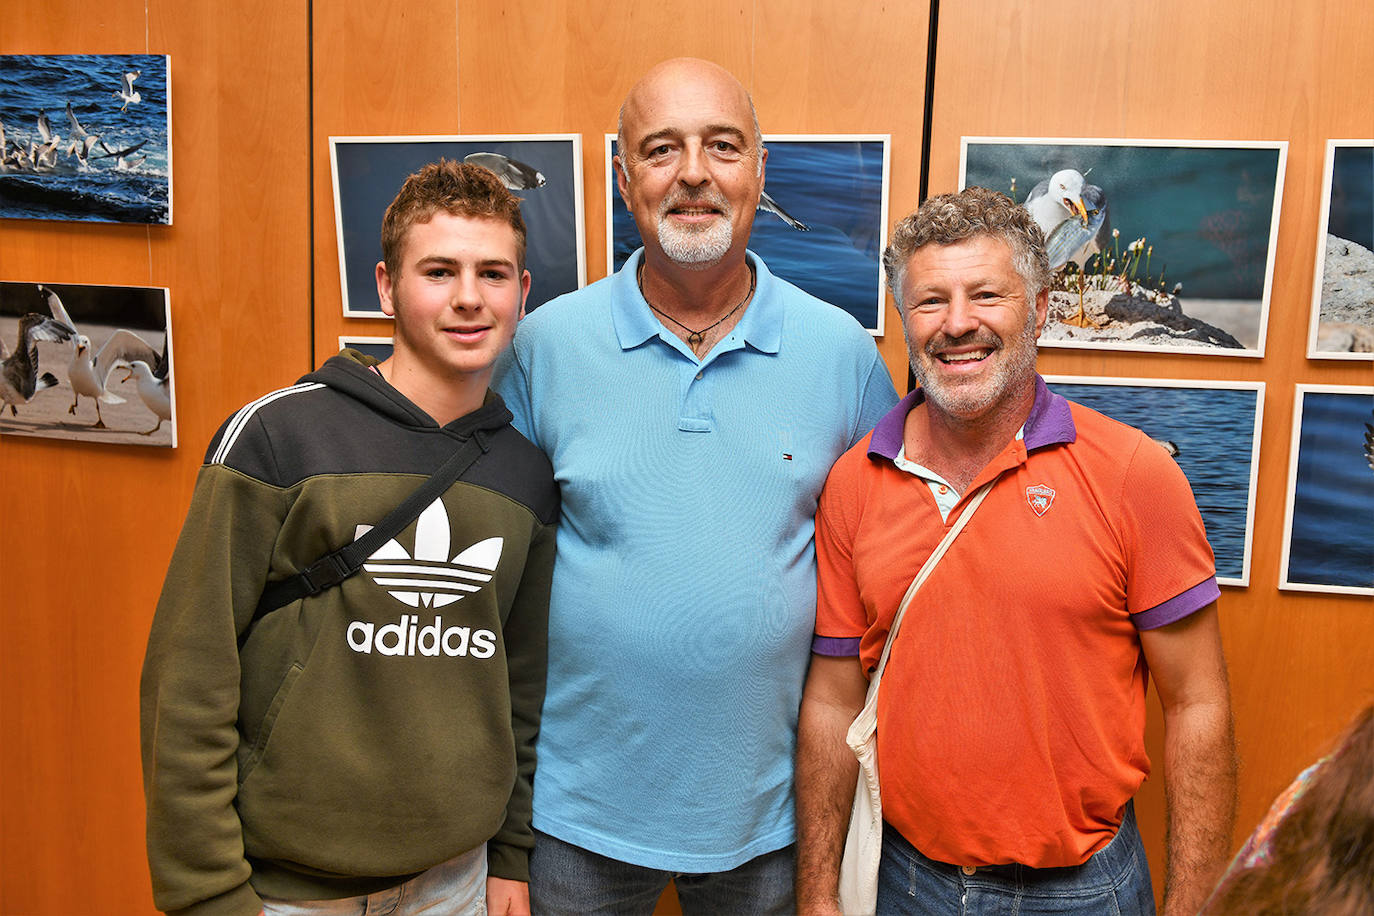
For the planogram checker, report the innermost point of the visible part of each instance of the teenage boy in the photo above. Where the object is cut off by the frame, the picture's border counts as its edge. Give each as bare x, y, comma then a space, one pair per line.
374, 742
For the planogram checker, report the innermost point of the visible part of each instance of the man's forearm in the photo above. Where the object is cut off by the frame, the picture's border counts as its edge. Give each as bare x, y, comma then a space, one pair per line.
1200, 788
826, 774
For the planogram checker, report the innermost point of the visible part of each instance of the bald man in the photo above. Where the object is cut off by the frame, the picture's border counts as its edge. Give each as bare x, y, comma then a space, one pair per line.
692, 405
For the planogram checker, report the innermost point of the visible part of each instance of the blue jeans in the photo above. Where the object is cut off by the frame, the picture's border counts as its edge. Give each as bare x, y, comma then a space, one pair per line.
567, 880
457, 887
1115, 881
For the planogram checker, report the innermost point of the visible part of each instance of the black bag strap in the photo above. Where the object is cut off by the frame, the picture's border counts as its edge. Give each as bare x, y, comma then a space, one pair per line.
332, 568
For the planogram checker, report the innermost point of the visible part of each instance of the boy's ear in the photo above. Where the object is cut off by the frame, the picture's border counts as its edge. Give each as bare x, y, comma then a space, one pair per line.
525, 280
384, 290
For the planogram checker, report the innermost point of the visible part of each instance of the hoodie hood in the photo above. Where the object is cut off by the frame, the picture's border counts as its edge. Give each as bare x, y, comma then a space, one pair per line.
352, 373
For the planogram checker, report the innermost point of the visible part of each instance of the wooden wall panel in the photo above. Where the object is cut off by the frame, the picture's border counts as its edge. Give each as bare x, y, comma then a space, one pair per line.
1255, 71
89, 528
380, 68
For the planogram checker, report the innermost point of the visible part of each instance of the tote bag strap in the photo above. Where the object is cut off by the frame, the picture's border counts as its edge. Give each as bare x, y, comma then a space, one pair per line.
920, 579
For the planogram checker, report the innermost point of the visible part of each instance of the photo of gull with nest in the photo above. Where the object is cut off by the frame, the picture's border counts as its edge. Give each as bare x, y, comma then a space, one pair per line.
1155, 245
86, 137
1343, 291
103, 362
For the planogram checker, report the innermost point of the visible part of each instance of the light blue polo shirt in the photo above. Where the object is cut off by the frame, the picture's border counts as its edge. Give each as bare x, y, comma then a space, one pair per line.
684, 592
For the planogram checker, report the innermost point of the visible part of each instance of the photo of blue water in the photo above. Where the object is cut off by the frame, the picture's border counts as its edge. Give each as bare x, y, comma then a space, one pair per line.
1332, 537
1214, 429
381, 351
1351, 215
369, 172
834, 187
126, 177
1206, 210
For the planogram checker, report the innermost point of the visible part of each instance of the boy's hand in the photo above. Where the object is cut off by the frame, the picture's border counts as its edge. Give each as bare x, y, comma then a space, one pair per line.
507, 898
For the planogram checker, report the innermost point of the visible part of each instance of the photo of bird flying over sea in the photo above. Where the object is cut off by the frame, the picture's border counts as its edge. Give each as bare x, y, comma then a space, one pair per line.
86, 137
101, 363
543, 170
1154, 245
821, 222
1212, 430
1328, 542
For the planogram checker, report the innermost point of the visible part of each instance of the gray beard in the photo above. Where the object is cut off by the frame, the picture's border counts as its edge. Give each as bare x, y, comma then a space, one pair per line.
958, 402
694, 247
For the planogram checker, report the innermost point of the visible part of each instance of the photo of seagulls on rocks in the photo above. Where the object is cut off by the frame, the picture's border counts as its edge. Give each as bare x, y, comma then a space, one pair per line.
89, 363
1343, 294
543, 170
85, 137
1155, 245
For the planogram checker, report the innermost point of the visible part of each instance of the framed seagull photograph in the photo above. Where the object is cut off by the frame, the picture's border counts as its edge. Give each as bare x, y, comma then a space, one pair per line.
543, 170
822, 220
1161, 246
379, 347
87, 363
86, 137
1328, 526
1343, 288
1212, 429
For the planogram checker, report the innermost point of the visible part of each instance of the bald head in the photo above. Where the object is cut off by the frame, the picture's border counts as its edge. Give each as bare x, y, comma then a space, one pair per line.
654, 90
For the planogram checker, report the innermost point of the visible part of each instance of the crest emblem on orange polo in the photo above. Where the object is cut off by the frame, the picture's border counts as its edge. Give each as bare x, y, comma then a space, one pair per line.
1040, 498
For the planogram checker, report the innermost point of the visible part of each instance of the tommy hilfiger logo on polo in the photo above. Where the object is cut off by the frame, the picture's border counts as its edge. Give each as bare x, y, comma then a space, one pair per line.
427, 577
1040, 498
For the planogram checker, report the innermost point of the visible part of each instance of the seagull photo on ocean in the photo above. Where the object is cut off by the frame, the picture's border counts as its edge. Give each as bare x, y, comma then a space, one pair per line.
768, 205
1073, 216
514, 174
88, 372
126, 92
19, 378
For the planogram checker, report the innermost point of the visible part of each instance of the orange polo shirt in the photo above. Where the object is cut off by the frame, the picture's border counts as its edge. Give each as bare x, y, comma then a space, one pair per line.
1011, 716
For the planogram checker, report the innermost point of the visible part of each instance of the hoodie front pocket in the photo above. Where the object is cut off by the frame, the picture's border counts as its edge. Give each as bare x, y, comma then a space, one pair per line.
269, 721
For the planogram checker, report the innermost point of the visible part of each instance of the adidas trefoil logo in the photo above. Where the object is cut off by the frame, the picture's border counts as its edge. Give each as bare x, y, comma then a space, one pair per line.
428, 577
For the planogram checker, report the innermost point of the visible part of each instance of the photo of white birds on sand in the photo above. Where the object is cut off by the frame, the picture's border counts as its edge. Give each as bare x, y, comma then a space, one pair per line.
1343, 291
84, 362
1155, 245
821, 222
543, 170
86, 137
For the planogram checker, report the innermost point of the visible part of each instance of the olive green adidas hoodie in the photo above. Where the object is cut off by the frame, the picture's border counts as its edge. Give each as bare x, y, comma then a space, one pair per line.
352, 739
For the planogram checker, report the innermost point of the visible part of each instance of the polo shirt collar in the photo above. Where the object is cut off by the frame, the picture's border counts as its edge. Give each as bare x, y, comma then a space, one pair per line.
760, 327
1050, 423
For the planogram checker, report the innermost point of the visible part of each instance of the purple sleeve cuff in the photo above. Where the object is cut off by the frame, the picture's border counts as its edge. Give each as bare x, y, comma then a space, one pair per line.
839, 646
1178, 607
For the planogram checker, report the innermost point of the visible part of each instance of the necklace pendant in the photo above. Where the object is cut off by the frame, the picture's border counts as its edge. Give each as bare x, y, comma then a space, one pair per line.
695, 339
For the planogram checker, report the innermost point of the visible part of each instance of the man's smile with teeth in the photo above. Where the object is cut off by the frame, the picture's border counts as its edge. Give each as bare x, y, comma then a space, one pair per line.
964, 357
